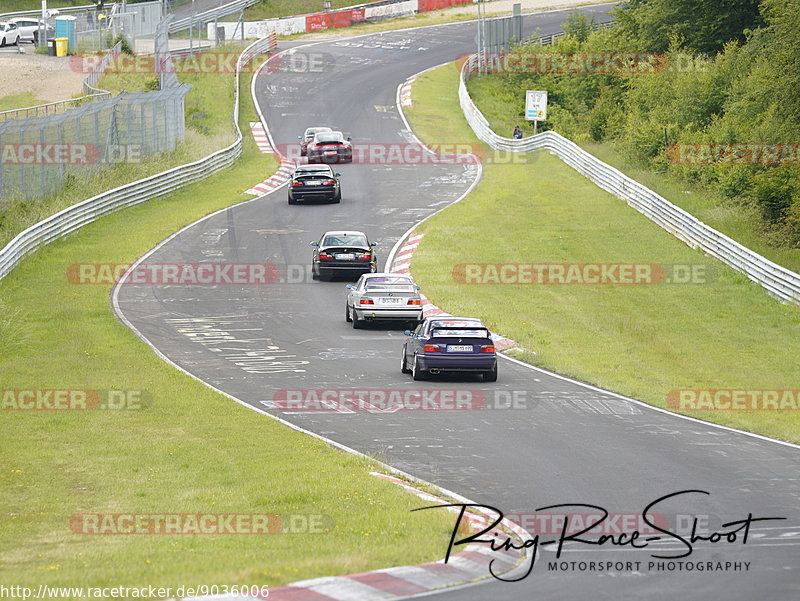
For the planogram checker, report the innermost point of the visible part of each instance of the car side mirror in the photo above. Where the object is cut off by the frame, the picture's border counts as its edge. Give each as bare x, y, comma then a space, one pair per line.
349, 286
407, 332
373, 244
314, 243
338, 174
299, 137
417, 287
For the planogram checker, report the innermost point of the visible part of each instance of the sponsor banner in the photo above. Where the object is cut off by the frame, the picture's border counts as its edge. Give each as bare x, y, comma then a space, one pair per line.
175, 274
259, 29
734, 400
334, 19
734, 154
393, 9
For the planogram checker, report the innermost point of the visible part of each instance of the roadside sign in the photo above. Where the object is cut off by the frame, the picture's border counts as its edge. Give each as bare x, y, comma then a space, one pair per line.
535, 105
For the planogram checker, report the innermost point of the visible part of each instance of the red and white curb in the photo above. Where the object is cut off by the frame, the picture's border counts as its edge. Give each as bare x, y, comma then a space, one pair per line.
405, 92
283, 173
401, 263
261, 137
475, 562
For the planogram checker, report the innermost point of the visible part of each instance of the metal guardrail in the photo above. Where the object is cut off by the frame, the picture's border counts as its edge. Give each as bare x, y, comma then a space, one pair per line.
779, 281
210, 15
94, 76
162, 184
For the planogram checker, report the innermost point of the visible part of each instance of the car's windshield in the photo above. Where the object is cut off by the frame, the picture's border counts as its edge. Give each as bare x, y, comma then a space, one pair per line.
318, 171
330, 137
2, 27
345, 240
474, 333
388, 281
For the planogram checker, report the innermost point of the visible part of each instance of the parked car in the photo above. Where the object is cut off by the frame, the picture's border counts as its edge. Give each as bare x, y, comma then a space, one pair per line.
314, 182
330, 147
345, 253
30, 28
308, 136
449, 344
383, 297
9, 34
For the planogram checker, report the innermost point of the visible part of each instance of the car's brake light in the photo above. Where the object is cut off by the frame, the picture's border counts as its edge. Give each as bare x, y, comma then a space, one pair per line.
431, 348
364, 256
329, 182
366, 301
487, 348
413, 301
324, 256
297, 183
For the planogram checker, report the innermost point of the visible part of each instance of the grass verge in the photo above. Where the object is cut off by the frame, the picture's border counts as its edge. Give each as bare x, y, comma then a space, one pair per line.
738, 221
189, 451
639, 340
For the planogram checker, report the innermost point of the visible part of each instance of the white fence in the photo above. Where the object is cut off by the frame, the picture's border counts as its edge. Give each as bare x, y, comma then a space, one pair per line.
73, 218
779, 281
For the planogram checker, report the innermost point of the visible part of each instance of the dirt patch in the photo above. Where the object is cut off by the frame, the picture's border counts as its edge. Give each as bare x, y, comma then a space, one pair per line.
48, 78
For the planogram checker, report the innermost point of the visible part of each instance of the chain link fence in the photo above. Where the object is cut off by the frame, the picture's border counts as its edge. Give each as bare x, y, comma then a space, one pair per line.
38, 154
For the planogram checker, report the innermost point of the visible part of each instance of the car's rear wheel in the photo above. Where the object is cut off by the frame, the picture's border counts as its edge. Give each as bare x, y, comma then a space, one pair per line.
490, 376
347, 317
404, 363
358, 323
292, 201
337, 198
417, 372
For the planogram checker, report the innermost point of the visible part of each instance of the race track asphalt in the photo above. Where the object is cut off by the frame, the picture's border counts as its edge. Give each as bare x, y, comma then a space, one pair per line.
568, 444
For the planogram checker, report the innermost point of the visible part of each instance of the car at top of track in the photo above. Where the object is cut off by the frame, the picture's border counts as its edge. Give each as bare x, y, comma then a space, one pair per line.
449, 344
9, 33
348, 253
383, 296
329, 147
308, 136
314, 182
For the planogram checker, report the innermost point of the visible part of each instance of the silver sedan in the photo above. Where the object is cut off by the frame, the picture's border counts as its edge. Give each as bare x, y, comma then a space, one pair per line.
383, 296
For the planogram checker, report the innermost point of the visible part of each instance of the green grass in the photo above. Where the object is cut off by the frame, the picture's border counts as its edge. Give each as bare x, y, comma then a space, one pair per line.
190, 451
639, 340
739, 221
17, 101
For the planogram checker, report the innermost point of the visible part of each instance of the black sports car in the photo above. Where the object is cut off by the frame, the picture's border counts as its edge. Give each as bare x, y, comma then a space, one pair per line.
346, 253
314, 182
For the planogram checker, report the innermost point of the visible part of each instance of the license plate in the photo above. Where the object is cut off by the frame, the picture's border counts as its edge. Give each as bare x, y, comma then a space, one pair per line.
345, 257
313, 182
331, 151
459, 348
392, 301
